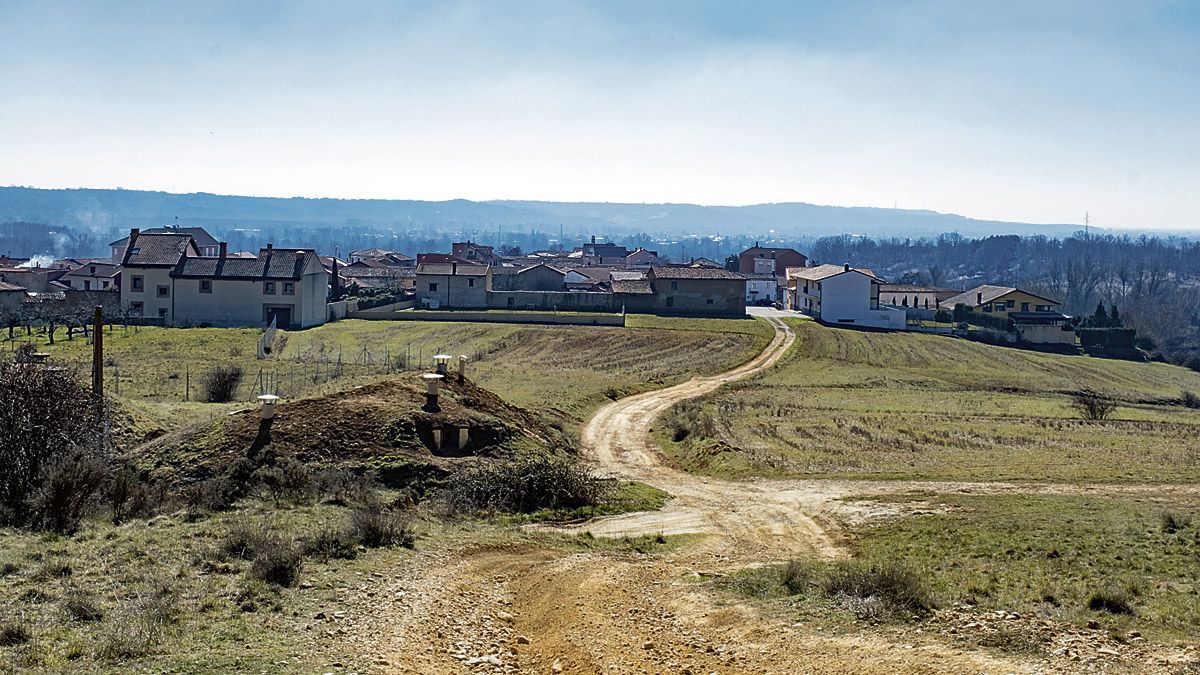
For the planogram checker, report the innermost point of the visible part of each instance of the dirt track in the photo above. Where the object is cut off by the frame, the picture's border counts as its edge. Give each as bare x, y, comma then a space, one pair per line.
530, 610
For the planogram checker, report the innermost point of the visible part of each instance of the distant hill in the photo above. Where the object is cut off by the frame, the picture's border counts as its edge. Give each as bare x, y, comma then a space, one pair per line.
119, 209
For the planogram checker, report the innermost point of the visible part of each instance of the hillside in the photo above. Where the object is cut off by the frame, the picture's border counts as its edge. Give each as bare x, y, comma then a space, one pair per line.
120, 209
857, 404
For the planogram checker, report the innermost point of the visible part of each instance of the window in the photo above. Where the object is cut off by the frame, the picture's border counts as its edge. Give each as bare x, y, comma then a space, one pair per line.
470, 283
268, 288
92, 270
1012, 303
674, 285
987, 307
136, 284
670, 302
289, 288
162, 312
708, 301
87, 285
432, 287
1024, 306
135, 308
206, 285
1045, 308
164, 291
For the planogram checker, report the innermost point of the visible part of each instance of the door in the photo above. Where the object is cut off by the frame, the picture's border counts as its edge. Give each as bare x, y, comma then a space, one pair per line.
282, 316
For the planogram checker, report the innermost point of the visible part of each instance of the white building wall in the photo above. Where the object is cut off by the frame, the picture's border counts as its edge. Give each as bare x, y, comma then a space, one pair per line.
152, 278
757, 289
847, 298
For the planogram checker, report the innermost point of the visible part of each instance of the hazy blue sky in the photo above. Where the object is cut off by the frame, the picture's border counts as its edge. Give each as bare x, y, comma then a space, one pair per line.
1025, 111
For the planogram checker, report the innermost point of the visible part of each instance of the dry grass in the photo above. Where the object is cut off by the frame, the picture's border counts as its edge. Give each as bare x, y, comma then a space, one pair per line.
855, 404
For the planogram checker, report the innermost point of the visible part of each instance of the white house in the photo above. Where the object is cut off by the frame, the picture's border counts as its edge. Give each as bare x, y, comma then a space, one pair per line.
839, 294
761, 287
163, 277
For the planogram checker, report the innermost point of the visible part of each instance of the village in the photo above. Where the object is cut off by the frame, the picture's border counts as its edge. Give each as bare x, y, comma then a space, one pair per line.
182, 276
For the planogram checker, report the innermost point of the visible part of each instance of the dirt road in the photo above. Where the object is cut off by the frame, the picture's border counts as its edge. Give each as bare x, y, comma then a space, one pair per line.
529, 609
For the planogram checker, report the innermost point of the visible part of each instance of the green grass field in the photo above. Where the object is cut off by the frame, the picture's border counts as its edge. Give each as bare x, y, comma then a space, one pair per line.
894, 405
572, 369
1050, 557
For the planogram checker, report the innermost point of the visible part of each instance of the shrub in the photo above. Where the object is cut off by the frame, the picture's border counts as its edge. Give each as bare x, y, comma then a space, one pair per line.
214, 494
13, 633
81, 606
245, 541
795, 576
221, 383
1190, 400
44, 418
342, 486
526, 485
288, 480
65, 490
376, 526
277, 562
131, 494
1092, 406
895, 587
1111, 600
1173, 522
333, 542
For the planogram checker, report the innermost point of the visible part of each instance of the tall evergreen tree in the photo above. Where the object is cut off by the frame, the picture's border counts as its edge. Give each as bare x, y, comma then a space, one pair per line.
1100, 318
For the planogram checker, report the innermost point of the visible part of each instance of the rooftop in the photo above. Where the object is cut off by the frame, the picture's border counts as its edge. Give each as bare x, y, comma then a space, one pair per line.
157, 249
695, 273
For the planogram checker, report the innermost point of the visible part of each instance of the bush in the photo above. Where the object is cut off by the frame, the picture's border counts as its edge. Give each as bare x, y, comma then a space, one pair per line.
288, 480
13, 633
526, 485
1111, 600
376, 526
1092, 406
895, 587
795, 576
1190, 400
81, 606
65, 491
343, 487
277, 562
1173, 522
44, 419
333, 542
221, 383
214, 494
245, 541
130, 494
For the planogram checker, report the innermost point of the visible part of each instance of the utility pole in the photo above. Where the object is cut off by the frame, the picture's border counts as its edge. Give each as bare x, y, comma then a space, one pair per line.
1086, 223
98, 354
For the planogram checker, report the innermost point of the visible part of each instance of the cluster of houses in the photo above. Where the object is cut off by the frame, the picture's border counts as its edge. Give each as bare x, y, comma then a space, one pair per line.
182, 276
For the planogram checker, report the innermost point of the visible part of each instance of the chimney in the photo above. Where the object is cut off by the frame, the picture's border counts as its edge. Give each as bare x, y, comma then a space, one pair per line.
846, 267
453, 268
593, 238
133, 232
979, 298
223, 251
270, 246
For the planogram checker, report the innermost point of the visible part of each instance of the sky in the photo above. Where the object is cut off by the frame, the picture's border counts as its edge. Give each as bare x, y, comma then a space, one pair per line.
1024, 111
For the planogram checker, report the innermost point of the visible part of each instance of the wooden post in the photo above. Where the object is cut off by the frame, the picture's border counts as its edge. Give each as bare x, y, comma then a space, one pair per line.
98, 355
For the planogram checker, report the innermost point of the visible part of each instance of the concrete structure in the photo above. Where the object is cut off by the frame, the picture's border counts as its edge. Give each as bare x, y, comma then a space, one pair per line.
534, 278
683, 290
453, 285
1044, 328
206, 244
11, 296
92, 275
761, 288
916, 297
163, 278
33, 279
472, 252
1000, 301
149, 259
839, 294
767, 260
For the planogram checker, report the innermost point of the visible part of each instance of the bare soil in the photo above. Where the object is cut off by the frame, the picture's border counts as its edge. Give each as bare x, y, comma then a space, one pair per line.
533, 610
